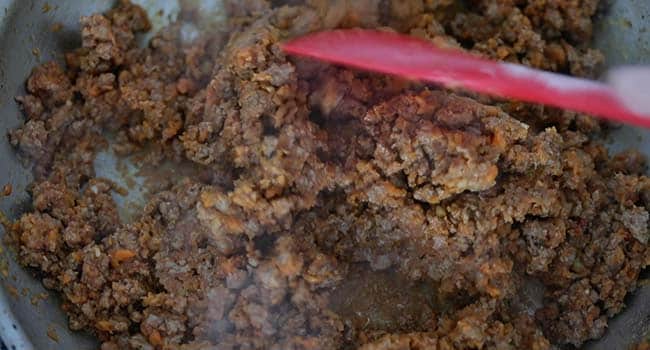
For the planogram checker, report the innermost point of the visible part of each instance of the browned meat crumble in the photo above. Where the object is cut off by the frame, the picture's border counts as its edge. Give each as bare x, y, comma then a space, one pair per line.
340, 209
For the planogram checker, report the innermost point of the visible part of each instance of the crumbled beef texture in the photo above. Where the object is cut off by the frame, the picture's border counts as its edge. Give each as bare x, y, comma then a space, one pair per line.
323, 180
551, 35
442, 144
50, 85
537, 33
106, 39
477, 326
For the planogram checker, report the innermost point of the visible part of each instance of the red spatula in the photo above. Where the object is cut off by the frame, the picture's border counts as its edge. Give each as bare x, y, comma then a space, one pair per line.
414, 58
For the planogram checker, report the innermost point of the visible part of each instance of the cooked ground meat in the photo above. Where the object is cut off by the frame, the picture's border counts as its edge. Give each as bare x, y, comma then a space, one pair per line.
340, 209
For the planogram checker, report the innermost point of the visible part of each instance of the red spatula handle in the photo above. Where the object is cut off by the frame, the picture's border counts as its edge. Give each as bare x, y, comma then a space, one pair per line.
414, 58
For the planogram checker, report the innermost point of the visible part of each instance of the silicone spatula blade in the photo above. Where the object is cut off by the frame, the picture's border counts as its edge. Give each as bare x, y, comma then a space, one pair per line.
414, 58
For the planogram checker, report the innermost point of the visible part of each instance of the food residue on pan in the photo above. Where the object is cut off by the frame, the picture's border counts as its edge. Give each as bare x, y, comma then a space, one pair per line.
6, 190
56, 27
4, 268
316, 207
5, 222
12, 290
52, 334
36, 299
